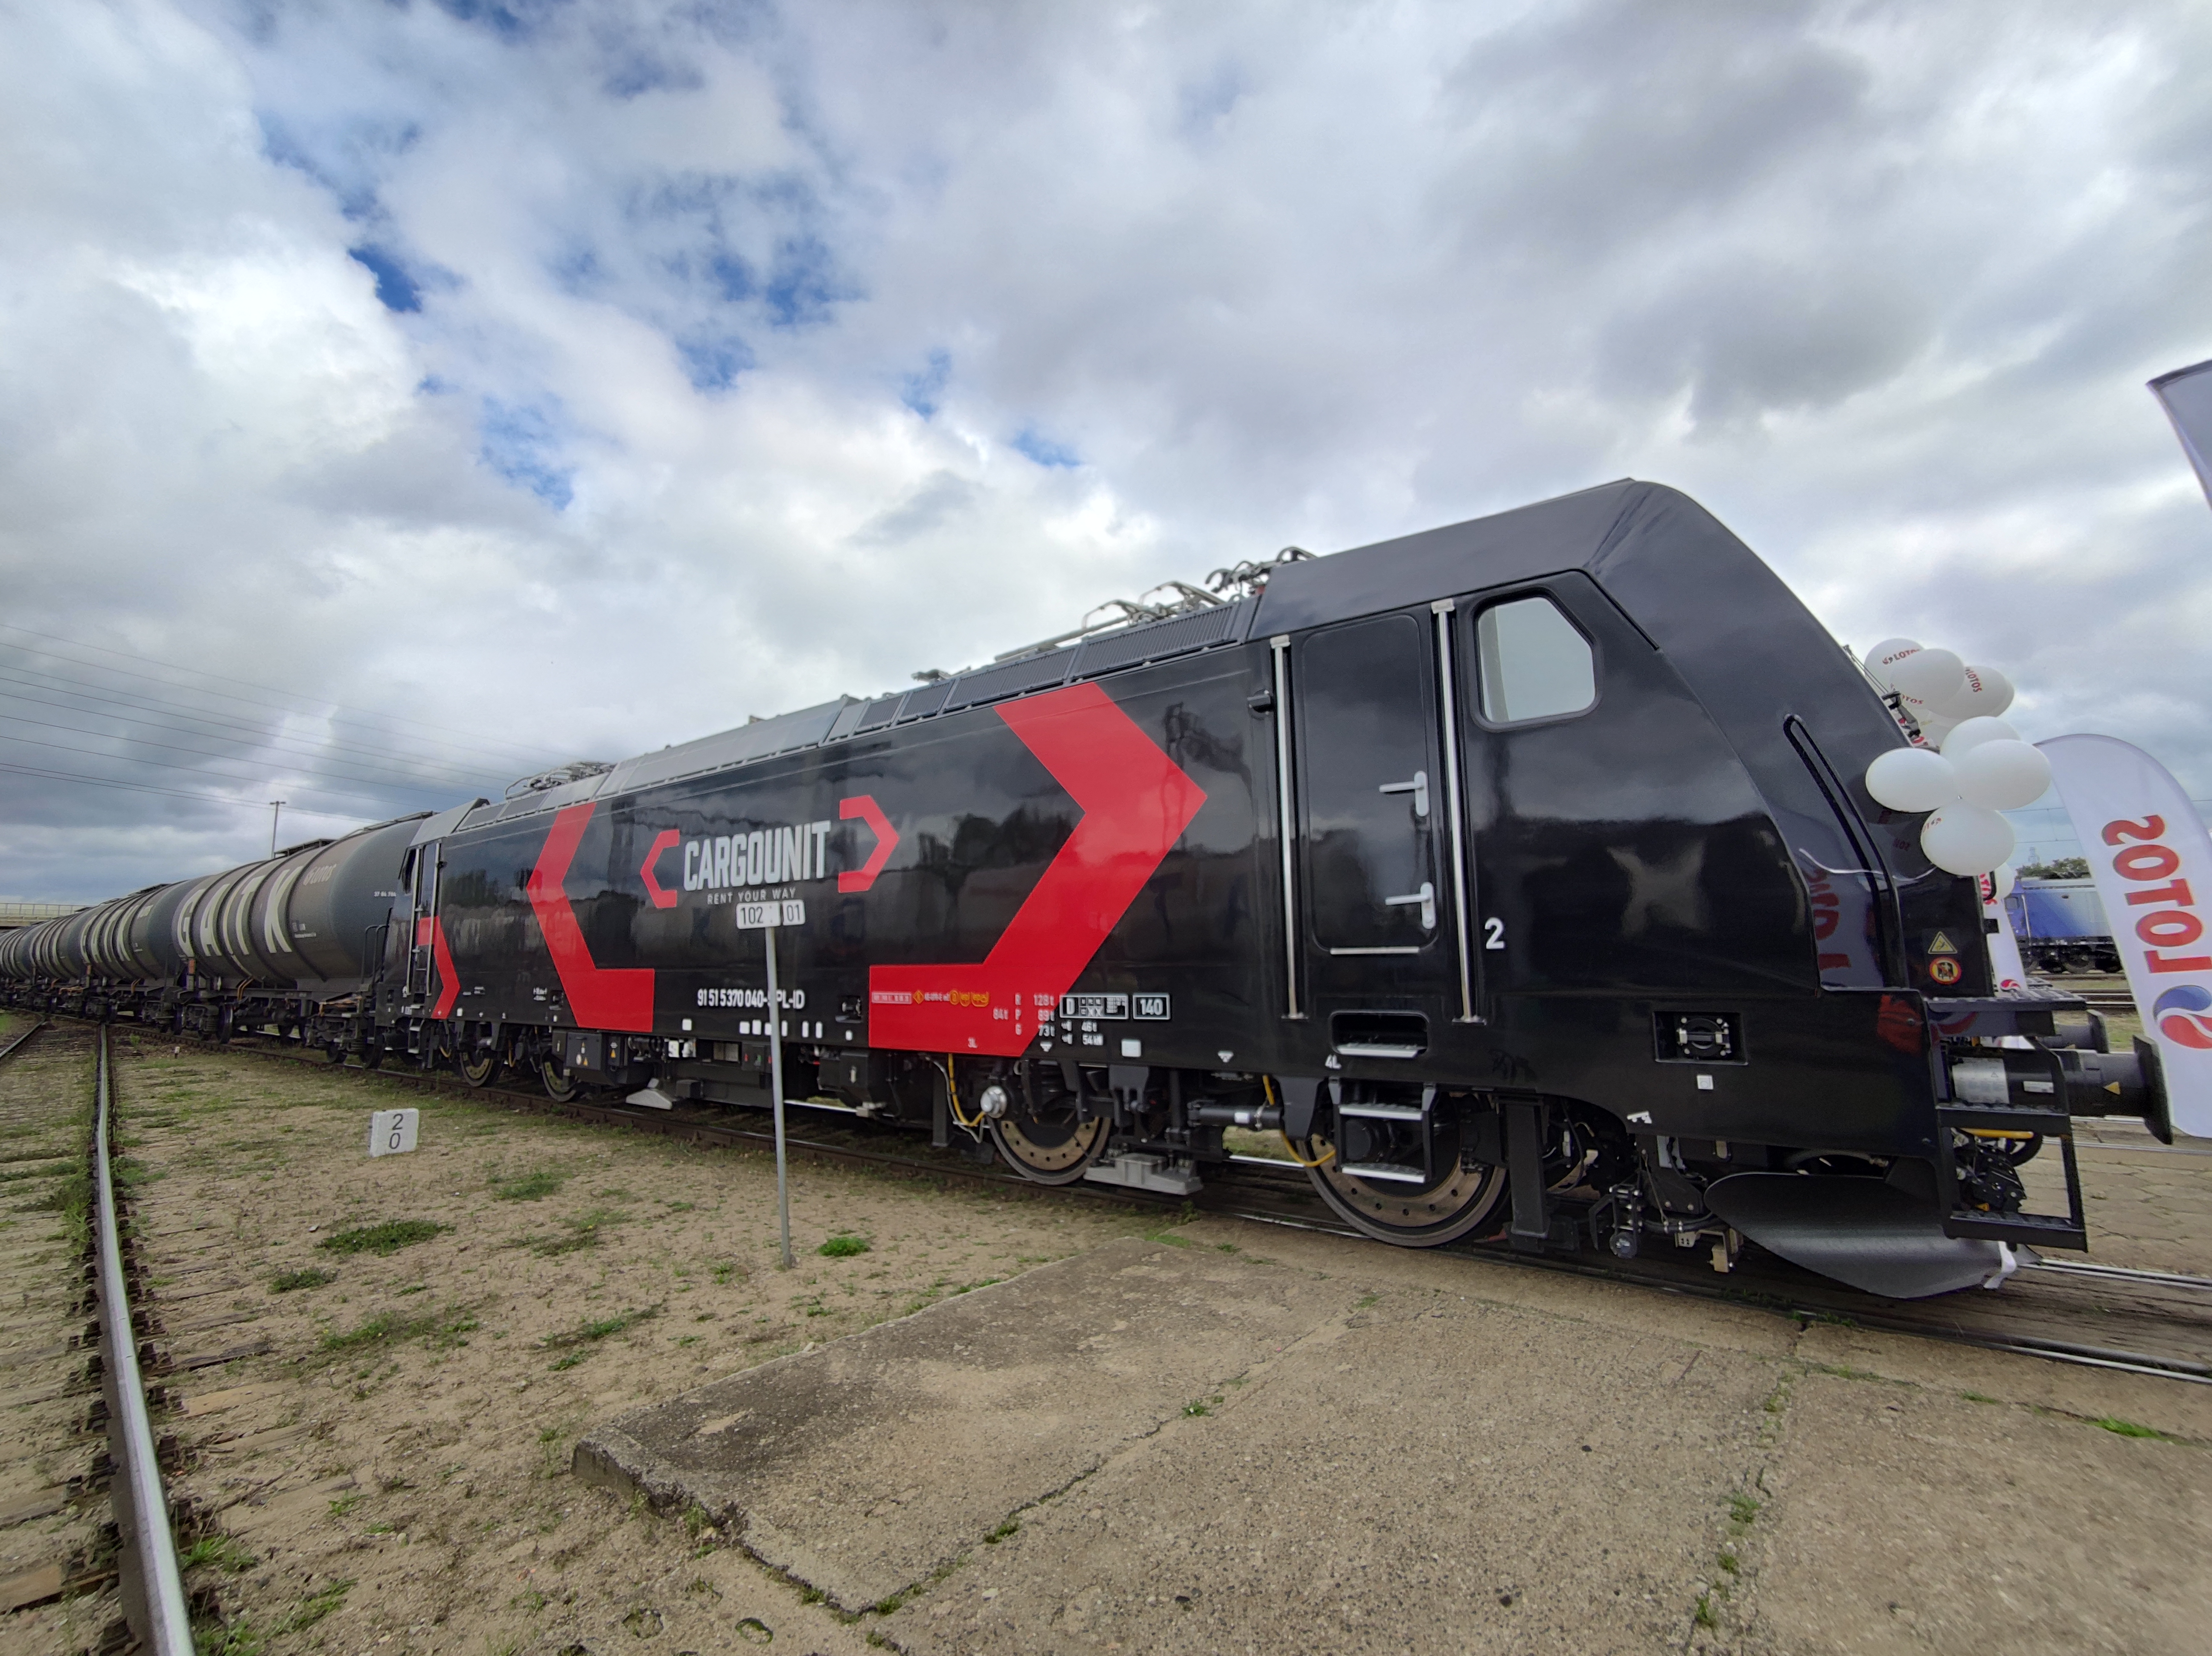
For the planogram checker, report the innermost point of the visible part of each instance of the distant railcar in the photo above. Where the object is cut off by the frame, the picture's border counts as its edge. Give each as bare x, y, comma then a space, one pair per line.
2061, 926
1520, 873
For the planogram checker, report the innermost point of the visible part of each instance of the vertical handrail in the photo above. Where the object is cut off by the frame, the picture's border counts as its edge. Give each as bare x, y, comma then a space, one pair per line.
143, 1513
1285, 821
1448, 694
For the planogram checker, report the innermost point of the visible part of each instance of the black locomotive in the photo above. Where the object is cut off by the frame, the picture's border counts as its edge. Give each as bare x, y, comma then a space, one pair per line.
1520, 873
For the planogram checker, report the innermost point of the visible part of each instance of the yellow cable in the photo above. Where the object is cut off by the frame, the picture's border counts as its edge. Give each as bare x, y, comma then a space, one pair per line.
952, 1092
1267, 1085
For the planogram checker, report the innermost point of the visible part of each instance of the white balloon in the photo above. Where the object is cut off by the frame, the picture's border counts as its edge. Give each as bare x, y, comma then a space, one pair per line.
2002, 776
1912, 779
2003, 879
1934, 728
1987, 693
1966, 839
1887, 655
1932, 676
1970, 734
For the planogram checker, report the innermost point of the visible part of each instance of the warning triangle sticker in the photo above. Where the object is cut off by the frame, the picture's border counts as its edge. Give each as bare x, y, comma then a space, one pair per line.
2113, 1087
1942, 945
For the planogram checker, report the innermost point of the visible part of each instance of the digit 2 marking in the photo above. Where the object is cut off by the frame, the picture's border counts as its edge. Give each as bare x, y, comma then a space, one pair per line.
1494, 933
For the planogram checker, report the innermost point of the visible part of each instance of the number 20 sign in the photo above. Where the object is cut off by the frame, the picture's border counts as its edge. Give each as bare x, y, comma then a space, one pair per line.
392, 1132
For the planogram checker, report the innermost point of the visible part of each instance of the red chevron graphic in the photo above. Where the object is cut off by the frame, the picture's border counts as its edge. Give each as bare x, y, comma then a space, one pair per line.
430, 934
599, 997
1136, 803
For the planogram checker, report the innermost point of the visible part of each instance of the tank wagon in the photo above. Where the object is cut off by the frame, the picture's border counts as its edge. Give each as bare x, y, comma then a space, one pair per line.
1519, 873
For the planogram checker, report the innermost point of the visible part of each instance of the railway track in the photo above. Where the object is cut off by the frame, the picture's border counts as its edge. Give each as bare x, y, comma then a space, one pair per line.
66, 1388
2156, 1322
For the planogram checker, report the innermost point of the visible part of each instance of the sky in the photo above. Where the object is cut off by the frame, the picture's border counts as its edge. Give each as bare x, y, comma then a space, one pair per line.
396, 398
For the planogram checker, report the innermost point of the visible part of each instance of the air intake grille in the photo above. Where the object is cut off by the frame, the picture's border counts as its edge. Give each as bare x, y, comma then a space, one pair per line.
1158, 640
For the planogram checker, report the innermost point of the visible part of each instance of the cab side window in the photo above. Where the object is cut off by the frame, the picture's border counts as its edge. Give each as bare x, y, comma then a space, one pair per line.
1533, 663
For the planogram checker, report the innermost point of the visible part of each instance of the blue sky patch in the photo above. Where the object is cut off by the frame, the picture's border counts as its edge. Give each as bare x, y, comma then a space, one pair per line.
395, 289
714, 364
1043, 450
519, 440
923, 392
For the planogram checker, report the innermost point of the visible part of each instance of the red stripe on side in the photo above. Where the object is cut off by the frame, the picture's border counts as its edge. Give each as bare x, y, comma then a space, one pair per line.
1136, 803
598, 997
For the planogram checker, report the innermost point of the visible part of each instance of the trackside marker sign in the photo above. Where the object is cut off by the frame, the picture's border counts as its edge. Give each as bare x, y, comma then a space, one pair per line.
2152, 862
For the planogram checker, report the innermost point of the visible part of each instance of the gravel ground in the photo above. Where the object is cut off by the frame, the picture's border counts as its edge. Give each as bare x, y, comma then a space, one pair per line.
382, 1463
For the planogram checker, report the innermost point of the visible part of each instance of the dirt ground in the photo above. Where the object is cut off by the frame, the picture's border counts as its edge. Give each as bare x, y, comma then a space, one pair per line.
386, 1462
1458, 1455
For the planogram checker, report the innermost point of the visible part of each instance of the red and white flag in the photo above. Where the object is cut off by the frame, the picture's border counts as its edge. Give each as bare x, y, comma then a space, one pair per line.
2152, 861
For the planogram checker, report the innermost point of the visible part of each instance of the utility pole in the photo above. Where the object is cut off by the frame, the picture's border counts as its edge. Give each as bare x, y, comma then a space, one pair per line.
275, 811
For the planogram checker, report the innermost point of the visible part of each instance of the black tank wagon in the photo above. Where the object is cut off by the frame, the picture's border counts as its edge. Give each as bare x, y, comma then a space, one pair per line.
1520, 873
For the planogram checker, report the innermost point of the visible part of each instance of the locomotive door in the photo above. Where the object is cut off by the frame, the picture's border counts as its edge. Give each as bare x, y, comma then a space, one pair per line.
423, 905
1375, 840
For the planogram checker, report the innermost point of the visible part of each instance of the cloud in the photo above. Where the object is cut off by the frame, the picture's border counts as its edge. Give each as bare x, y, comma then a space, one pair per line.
519, 381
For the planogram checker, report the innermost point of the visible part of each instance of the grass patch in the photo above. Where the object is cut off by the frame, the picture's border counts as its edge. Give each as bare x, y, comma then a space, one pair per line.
841, 1247
1012, 1526
386, 1239
315, 1606
218, 1552
291, 1281
1704, 1616
583, 1231
375, 1331
1979, 1396
528, 1187
1743, 1509
570, 1360
2129, 1429
591, 1333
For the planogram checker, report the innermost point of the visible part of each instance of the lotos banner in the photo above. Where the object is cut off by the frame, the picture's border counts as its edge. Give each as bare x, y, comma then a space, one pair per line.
2152, 861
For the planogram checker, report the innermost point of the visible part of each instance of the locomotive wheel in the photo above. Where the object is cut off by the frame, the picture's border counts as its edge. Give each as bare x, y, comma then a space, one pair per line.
1408, 1215
1051, 1146
560, 1085
479, 1068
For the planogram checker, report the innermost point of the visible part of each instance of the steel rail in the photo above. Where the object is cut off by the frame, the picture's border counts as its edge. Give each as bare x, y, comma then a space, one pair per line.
155, 1590
1237, 1192
8, 1050
2173, 1279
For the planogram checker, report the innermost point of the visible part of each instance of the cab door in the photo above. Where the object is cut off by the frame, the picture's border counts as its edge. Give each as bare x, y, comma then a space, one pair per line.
1375, 836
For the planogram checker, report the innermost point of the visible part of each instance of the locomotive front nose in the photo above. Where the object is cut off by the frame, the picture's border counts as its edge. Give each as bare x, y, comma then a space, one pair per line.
2079, 1082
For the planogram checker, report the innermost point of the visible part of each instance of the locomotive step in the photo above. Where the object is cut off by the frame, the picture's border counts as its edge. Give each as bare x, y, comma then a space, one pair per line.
2046, 1230
1383, 1111
2005, 1118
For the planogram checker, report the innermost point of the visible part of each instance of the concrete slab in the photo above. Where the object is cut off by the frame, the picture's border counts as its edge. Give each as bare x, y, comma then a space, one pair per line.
1904, 1519
1434, 1473
865, 1466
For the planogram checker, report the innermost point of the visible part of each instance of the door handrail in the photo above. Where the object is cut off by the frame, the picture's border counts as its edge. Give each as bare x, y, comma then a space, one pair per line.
1287, 823
1448, 698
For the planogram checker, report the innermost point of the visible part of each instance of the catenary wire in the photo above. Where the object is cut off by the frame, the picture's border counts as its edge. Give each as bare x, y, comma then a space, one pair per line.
516, 747
218, 722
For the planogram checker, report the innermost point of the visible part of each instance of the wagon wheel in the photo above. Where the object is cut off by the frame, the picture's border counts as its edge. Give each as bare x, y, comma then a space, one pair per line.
1048, 1144
1409, 1216
560, 1085
334, 1051
478, 1068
